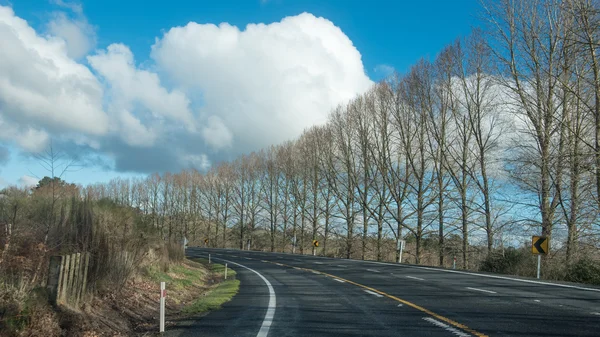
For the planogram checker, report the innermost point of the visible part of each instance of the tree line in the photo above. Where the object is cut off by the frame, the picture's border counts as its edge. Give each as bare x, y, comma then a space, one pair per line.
496, 138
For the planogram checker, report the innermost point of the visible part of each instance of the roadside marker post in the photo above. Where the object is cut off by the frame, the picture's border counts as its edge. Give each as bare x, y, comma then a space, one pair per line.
163, 295
225, 270
208, 258
401, 244
539, 247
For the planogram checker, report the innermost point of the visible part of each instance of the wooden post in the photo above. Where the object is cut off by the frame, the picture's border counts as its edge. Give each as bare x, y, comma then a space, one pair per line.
64, 284
53, 283
85, 263
71, 278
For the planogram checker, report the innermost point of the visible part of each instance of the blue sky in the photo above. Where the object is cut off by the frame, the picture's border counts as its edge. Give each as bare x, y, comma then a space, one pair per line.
387, 34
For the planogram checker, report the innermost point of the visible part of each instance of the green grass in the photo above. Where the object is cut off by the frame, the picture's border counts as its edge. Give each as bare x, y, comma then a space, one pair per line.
215, 298
217, 268
185, 276
181, 277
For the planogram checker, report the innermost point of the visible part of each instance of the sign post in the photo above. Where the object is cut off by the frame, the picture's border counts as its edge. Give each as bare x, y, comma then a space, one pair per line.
539, 247
163, 295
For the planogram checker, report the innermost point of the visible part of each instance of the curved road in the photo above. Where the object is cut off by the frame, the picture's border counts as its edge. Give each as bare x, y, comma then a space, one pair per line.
300, 295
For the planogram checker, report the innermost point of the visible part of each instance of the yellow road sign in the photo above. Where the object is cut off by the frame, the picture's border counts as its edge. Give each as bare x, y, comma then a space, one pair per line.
539, 245
315, 243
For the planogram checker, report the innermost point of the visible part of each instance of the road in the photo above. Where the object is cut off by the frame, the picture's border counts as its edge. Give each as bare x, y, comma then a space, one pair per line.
300, 295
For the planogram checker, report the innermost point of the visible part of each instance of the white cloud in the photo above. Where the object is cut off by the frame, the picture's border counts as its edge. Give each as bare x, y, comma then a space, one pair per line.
265, 83
384, 70
216, 134
130, 86
28, 181
79, 36
229, 90
42, 89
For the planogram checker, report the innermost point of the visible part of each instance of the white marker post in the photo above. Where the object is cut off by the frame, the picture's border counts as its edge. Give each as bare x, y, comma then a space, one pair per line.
208, 258
539, 264
163, 295
225, 270
400, 249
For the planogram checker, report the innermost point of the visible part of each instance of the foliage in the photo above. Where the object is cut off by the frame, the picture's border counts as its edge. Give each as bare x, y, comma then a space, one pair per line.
584, 270
215, 298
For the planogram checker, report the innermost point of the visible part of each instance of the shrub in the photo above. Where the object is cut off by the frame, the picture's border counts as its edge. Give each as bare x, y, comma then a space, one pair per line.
509, 261
585, 270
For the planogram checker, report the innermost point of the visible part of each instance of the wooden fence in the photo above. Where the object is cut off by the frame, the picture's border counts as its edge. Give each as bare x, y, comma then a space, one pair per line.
67, 278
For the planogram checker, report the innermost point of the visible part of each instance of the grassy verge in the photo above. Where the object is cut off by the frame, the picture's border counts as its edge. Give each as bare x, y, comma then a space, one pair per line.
218, 295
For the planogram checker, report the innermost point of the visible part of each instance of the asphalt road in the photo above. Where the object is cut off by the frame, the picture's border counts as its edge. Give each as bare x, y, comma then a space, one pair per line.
315, 296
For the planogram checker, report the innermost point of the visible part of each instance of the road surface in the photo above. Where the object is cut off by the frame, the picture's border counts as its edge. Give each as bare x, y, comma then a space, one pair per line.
299, 295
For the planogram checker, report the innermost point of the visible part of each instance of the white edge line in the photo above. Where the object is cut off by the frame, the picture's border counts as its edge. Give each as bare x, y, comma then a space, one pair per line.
341, 281
482, 290
483, 275
266, 324
372, 293
416, 278
455, 271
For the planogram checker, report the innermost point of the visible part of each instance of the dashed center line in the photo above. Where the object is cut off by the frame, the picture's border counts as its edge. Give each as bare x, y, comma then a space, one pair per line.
415, 278
337, 279
596, 313
374, 271
482, 290
341, 266
316, 262
372, 293
446, 327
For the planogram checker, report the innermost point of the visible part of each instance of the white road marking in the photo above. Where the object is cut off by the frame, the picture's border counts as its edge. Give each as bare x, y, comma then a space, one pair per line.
373, 270
268, 320
416, 278
480, 275
399, 305
341, 281
596, 313
446, 327
316, 272
341, 266
318, 262
372, 293
537, 301
482, 290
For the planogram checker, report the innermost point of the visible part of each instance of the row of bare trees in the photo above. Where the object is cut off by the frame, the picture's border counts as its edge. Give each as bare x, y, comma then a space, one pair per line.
497, 138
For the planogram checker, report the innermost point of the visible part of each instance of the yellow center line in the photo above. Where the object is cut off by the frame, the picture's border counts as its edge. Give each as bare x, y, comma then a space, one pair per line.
410, 304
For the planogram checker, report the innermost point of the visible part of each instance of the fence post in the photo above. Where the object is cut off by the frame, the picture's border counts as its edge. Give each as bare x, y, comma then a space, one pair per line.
163, 294
64, 284
86, 264
75, 283
54, 275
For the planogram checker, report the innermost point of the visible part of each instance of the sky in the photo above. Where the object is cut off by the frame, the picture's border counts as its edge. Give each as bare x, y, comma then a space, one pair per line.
129, 88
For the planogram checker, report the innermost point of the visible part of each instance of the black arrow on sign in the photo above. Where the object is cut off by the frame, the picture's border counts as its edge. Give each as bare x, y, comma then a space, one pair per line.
538, 245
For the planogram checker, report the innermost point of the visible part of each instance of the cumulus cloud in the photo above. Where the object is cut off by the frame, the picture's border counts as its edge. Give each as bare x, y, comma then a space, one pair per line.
265, 83
28, 181
78, 34
207, 94
130, 86
42, 89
